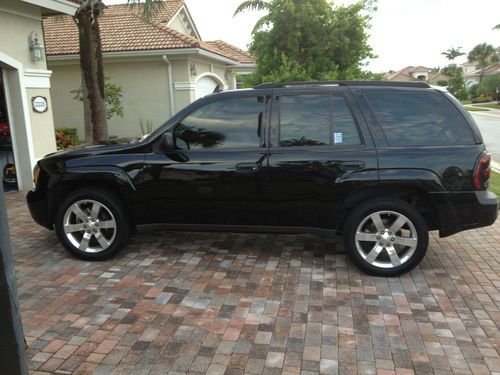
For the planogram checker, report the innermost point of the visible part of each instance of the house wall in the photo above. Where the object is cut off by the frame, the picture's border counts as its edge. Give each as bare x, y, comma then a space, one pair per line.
181, 24
471, 81
145, 88
42, 125
145, 95
17, 21
32, 133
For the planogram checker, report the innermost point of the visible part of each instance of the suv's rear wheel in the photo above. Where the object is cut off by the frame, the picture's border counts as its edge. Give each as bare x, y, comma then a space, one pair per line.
92, 224
386, 237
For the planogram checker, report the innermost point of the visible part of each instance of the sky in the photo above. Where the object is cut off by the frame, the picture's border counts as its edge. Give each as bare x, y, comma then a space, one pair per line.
403, 32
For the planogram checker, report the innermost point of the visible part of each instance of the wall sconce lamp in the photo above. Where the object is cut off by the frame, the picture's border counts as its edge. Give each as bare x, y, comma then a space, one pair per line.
36, 49
193, 70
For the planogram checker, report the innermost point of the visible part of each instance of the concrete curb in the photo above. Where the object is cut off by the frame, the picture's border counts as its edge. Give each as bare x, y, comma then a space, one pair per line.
495, 166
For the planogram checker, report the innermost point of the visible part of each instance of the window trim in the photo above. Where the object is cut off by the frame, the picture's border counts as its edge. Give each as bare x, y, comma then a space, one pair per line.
276, 100
264, 130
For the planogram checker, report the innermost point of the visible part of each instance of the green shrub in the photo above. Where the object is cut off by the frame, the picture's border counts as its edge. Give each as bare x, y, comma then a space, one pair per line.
482, 99
66, 137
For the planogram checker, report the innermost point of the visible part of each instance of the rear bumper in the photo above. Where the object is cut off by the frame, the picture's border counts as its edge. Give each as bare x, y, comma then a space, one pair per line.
39, 208
459, 211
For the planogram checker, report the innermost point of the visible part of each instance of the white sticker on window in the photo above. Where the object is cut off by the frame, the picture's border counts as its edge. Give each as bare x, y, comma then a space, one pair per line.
337, 138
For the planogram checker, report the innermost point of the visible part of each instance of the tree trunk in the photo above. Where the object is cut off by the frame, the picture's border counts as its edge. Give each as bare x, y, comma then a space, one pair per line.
89, 137
96, 128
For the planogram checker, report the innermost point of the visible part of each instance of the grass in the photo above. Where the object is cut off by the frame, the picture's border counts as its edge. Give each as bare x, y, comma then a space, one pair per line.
491, 105
465, 101
495, 183
475, 109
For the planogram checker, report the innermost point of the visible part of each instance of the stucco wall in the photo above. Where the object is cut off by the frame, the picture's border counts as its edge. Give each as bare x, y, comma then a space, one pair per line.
32, 133
42, 125
181, 24
208, 66
67, 111
15, 30
144, 88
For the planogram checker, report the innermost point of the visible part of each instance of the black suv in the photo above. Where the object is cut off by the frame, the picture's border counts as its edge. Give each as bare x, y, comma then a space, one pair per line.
382, 163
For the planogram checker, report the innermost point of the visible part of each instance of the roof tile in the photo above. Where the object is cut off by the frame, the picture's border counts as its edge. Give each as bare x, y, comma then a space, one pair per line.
123, 29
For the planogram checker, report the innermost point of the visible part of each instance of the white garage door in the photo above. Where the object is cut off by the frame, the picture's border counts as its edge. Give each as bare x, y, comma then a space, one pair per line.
205, 86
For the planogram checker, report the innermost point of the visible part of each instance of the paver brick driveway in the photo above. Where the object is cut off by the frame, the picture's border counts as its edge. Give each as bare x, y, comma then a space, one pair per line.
251, 303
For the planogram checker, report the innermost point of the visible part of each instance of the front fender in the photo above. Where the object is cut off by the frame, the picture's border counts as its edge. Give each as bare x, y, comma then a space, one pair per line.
107, 177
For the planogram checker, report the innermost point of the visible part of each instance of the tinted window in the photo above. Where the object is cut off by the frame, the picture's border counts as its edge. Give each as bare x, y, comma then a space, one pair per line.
223, 124
345, 131
315, 120
305, 120
411, 119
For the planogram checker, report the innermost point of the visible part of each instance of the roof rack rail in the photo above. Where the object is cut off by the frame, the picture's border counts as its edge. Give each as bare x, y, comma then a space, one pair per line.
342, 83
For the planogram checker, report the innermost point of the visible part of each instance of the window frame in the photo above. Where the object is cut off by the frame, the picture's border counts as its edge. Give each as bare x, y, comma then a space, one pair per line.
275, 120
208, 101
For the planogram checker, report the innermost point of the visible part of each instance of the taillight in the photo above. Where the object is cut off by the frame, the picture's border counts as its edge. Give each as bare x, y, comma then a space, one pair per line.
482, 172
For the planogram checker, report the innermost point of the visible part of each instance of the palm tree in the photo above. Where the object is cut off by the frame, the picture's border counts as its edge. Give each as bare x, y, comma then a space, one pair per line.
452, 53
484, 54
87, 21
255, 5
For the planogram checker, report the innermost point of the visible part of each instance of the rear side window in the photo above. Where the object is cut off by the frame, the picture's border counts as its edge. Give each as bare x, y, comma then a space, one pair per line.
418, 119
316, 120
305, 120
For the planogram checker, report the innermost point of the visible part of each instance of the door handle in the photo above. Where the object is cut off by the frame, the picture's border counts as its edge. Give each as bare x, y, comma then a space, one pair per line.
247, 167
352, 165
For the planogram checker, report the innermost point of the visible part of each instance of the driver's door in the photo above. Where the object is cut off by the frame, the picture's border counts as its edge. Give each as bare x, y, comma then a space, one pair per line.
213, 176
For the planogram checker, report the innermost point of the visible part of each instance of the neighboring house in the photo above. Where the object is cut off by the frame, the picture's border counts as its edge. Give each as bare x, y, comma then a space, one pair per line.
161, 65
417, 73
472, 73
26, 122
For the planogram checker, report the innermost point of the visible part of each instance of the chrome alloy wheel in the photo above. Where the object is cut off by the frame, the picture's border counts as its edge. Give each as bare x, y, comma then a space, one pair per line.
89, 226
386, 239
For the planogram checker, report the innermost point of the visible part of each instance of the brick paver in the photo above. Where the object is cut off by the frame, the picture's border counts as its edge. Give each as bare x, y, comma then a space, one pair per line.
193, 303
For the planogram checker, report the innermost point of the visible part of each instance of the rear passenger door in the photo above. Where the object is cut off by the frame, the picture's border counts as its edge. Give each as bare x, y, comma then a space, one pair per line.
320, 151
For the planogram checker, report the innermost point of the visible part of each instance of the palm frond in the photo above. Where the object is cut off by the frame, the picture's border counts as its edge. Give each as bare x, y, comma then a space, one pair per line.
261, 22
251, 5
150, 8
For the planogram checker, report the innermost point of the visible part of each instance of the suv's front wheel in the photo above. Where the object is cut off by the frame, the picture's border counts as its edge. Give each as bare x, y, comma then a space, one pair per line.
386, 237
92, 224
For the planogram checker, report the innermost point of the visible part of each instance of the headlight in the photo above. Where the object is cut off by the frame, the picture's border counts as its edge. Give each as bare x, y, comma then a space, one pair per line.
36, 174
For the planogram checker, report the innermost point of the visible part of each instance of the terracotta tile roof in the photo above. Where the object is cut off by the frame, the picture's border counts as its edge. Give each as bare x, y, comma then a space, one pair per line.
405, 73
492, 69
163, 14
439, 76
237, 54
123, 29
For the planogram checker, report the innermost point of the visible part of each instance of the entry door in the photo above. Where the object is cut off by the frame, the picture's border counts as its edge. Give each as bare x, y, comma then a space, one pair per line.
214, 175
317, 147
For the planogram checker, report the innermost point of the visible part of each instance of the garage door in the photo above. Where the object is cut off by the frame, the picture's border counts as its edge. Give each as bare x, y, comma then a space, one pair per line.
205, 86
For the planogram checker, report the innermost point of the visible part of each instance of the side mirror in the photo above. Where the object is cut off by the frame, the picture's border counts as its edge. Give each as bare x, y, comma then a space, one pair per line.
167, 142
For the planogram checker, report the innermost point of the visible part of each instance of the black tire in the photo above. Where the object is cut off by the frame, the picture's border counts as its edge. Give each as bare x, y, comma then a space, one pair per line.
120, 233
362, 212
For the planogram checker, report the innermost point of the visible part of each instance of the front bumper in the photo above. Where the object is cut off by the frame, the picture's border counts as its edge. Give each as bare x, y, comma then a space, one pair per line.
459, 211
39, 208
